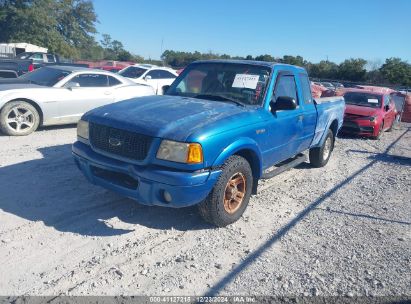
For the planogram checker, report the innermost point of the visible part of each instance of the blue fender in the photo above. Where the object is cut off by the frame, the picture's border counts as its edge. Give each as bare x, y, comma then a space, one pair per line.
247, 148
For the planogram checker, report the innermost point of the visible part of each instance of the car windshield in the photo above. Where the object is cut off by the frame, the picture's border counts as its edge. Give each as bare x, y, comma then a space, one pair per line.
132, 72
45, 76
231, 82
363, 99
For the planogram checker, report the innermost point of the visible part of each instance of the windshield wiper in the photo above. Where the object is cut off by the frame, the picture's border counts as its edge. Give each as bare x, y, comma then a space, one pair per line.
220, 98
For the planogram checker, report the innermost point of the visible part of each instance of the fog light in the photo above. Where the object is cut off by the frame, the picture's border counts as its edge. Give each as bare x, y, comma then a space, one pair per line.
167, 196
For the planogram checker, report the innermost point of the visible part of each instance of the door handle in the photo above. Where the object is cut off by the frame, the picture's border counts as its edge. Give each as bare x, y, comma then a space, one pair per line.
107, 93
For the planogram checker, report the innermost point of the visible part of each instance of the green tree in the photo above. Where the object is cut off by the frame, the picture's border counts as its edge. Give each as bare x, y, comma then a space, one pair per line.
106, 42
94, 52
397, 71
124, 55
324, 69
117, 47
294, 60
352, 69
63, 26
265, 57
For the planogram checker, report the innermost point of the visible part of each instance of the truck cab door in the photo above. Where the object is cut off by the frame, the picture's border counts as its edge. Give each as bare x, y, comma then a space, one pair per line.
285, 127
309, 120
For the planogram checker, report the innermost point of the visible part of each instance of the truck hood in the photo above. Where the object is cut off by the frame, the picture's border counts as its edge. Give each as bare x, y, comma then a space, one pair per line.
360, 111
173, 117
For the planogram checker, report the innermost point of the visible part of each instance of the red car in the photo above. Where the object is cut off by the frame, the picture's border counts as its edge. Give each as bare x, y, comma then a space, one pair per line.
368, 113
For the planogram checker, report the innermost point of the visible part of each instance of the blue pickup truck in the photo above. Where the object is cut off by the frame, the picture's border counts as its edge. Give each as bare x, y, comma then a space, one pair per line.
218, 129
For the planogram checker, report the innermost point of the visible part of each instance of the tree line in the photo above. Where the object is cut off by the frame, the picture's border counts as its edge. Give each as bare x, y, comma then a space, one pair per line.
393, 72
67, 27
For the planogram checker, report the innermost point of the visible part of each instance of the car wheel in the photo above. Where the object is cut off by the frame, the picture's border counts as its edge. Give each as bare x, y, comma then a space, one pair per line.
229, 198
394, 123
18, 118
320, 156
380, 131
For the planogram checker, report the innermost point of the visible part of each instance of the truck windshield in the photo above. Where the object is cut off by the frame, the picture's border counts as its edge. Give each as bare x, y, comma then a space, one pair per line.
363, 99
233, 82
45, 76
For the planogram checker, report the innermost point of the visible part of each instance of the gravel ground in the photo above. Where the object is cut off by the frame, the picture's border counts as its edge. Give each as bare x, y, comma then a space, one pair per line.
340, 230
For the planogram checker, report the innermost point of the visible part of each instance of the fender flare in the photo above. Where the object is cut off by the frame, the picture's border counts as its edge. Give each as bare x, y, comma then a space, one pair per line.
247, 148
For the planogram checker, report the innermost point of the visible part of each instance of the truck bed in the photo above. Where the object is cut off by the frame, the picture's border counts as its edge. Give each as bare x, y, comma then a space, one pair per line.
12, 68
329, 109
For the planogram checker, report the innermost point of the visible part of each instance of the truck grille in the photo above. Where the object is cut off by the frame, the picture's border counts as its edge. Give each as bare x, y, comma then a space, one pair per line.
119, 142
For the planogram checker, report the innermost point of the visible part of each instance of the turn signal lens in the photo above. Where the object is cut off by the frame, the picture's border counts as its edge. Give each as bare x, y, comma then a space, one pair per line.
195, 154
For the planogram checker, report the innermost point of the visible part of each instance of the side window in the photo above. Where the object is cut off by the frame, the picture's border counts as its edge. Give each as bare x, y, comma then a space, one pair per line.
192, 83
387, 100
50, 58
165, 74
91, 80
113, 81
286, 87
306, 88
37, 57
154, 74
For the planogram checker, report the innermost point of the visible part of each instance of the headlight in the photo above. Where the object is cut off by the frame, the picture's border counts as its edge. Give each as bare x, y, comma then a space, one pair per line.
372, 118
189, 153
82, 129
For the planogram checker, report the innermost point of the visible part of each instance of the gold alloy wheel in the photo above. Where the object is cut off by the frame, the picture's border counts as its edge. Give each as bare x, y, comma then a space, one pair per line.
234, 192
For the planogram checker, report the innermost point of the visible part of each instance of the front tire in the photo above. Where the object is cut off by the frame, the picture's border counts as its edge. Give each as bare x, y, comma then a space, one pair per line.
320, 156
230, 196
19, 118
380, 131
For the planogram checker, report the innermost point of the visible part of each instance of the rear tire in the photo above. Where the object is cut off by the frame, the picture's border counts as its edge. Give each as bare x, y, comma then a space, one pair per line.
394, 123
320, 156
230, 196
19, 118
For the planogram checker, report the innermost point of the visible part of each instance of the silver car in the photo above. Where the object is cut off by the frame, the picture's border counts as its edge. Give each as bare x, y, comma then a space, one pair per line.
58, 95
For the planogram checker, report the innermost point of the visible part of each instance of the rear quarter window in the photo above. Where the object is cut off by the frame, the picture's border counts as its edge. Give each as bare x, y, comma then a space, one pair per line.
306, 89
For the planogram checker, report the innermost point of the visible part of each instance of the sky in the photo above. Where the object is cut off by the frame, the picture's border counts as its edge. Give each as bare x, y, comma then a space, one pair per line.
315, 29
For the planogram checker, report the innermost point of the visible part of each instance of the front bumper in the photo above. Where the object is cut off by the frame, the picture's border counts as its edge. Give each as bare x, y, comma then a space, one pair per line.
144, 184
359, 127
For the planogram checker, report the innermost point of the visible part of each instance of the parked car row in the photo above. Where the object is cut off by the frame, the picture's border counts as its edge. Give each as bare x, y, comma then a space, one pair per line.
370, 110
152, 75
57, 95
29, 61
329, 85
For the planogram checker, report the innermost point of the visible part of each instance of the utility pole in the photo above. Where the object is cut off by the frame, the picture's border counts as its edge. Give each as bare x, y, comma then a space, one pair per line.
161, 50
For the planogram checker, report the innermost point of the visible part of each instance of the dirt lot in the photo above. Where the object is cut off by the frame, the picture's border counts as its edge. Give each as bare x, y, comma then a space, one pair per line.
340, 230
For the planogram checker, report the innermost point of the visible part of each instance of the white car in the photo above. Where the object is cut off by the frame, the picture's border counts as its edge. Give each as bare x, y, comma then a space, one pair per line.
58, 95
152, 75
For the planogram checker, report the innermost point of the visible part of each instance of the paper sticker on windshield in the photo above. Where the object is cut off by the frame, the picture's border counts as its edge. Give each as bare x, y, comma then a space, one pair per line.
245, 81
372, 100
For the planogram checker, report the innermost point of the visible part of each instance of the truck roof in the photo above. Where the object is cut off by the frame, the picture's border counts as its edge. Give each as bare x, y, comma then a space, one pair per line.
253, 62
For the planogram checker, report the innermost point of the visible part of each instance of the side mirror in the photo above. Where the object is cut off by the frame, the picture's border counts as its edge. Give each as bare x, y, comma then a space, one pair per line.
386, 108
283, 103
72, 84
165, 88
147, 77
